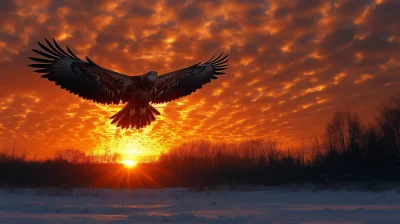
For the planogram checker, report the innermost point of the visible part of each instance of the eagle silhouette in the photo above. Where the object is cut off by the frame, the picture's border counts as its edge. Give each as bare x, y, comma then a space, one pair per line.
91, 81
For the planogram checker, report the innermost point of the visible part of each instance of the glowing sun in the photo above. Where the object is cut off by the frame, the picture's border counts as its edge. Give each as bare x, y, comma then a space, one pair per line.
129, 163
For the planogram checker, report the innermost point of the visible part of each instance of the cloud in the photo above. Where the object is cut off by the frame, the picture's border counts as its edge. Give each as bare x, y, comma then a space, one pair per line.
292, 64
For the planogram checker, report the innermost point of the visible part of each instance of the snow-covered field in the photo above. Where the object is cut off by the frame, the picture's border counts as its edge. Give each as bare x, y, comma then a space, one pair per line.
249, 205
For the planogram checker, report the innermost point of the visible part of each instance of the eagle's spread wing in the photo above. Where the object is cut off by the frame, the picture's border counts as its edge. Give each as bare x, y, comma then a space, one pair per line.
86, 79
183, 82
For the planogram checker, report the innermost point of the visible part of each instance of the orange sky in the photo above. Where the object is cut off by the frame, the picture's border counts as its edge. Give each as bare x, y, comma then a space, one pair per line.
293, 63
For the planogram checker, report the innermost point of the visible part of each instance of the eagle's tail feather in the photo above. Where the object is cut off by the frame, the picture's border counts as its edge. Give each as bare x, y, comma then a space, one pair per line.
135, 116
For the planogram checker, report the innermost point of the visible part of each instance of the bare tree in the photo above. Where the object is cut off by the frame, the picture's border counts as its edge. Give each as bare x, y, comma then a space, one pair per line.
316, 152
389, 122
73, 156
344, 132
14, 149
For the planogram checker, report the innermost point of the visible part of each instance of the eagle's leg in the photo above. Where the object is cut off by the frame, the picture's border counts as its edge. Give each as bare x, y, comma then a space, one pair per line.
135, 115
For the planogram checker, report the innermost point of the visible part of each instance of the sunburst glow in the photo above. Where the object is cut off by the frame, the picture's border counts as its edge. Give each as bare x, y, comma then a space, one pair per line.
129, 163
291, 61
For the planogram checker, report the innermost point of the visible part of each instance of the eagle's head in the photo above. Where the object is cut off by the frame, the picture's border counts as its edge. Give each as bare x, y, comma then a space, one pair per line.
151, 76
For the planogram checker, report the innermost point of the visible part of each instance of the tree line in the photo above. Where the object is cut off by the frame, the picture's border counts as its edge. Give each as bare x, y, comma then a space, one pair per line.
348, 151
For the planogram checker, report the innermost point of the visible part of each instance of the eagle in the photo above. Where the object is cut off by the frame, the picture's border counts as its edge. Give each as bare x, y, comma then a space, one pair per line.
101, 85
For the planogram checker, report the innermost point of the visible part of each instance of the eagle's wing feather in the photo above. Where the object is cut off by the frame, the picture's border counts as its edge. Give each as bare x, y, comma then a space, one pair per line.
86, 79
183, 82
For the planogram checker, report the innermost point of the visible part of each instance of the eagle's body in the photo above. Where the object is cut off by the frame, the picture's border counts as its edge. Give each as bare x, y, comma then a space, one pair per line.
91, 81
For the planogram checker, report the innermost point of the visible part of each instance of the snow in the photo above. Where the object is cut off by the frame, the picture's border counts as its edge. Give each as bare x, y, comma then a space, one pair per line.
277, 205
